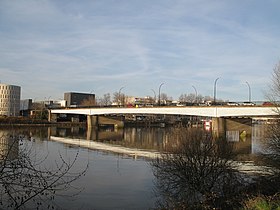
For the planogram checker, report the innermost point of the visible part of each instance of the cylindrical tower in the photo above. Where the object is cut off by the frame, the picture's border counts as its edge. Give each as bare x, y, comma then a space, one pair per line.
9, 100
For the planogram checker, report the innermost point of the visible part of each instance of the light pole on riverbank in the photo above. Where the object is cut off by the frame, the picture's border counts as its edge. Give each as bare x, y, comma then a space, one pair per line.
215, 89
249, 93
159, 93
119, 99
155, 96
195, 93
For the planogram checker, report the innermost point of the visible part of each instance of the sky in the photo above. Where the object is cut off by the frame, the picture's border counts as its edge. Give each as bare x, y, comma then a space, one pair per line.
49, 47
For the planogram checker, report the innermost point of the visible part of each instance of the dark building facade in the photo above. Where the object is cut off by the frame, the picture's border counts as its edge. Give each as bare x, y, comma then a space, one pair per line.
78, 99
25, 107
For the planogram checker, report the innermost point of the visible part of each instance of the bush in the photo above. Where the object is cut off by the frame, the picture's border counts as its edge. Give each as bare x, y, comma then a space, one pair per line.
196, 173
263, 203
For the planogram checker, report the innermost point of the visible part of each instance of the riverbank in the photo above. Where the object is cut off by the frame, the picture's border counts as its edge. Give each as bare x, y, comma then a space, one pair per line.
27, 121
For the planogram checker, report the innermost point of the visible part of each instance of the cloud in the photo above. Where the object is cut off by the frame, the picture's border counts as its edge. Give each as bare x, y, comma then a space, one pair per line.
104, 45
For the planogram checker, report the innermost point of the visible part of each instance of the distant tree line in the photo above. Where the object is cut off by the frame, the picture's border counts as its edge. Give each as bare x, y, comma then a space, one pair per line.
122, 99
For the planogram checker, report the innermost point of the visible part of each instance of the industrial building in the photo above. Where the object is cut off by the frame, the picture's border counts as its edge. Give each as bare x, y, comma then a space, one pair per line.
79, 99
9, 100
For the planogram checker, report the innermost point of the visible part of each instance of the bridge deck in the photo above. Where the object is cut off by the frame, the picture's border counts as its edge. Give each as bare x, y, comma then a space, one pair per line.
212, 111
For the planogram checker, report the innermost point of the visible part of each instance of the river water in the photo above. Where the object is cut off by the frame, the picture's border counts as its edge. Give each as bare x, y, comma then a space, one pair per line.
118, 174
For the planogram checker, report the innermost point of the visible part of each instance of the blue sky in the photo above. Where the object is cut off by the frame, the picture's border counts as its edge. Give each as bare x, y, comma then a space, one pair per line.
49, 47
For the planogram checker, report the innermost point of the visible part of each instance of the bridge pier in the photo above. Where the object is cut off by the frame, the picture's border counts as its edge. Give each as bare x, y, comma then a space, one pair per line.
103, 135
221, 126
52, 117
97, 120
92, 121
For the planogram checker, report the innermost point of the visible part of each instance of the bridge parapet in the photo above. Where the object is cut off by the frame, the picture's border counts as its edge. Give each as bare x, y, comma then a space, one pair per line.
213, 111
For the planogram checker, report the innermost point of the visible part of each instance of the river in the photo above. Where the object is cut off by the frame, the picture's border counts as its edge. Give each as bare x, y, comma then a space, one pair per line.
118, 174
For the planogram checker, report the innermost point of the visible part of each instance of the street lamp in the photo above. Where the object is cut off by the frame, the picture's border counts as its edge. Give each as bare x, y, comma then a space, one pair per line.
249, 89
159, 93
49, 100
155, 97
215, 87
119, 99
195, 93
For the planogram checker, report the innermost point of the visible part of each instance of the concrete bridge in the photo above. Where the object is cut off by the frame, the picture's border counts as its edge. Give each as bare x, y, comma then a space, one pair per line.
210, 111
222, 116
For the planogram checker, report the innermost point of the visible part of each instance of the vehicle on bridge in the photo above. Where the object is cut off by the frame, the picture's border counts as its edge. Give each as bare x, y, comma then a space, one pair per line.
247, 103
232, 104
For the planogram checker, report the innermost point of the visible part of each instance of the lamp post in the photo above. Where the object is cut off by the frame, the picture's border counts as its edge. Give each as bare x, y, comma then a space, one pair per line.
159, 93
49, 100
215, 87
155, 97
195, 94
249, 91
119, 99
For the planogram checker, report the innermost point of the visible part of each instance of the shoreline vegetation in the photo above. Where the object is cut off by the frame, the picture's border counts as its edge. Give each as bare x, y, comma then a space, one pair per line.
22, 121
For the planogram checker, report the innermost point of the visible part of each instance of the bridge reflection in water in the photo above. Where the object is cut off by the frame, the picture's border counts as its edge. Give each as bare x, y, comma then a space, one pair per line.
246, 139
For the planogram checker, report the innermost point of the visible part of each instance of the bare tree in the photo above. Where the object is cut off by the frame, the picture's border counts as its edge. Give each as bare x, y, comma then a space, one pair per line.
183, 98
191, 98
273, 137
208, 98
196, 171
90, 101
106, 100
274, 88
25, 182
119, 98
267, 187
164, 98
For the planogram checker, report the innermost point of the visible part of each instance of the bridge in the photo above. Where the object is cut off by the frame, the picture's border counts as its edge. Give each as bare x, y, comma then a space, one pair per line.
222, 117
209, 111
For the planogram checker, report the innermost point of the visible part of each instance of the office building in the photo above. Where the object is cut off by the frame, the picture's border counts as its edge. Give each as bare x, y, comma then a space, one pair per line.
9, 100
79, 99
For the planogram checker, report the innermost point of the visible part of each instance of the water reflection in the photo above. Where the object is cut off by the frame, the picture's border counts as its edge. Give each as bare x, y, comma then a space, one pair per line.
25, 180
125, 181
155, 138
9, 146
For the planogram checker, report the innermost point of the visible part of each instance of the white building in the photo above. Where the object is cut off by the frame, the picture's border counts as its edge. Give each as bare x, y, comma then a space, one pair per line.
9, 100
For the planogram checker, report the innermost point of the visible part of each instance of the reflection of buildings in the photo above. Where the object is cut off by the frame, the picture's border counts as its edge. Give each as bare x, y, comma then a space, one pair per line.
141, 138
103, 135
258, 138
242, 142
239, 132
9, 146
248, 143
9, 100
155, 138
